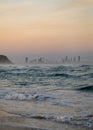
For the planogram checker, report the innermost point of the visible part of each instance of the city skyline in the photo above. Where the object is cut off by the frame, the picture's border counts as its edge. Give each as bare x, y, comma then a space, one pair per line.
49, 28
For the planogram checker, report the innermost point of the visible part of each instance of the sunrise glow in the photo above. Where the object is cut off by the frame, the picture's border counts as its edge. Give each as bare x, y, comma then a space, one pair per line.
47, 26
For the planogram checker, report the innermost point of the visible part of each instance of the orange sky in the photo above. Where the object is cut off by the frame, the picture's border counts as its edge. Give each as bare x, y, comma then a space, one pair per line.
47, 26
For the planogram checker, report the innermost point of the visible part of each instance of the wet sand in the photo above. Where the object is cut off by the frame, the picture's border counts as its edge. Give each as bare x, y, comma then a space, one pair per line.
65, 127
7, 122
7, 127
6, 114
13, 122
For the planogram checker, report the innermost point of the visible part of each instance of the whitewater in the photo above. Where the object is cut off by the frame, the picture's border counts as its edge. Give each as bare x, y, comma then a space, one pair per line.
47, 96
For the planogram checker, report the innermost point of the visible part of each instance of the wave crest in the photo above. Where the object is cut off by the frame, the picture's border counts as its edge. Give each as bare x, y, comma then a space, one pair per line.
86, 121
86, 88
19, 96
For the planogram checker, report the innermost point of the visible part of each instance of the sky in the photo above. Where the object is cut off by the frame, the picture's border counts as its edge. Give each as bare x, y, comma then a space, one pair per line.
46, 27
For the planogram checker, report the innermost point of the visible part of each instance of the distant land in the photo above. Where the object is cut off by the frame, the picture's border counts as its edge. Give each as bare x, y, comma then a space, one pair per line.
4, 60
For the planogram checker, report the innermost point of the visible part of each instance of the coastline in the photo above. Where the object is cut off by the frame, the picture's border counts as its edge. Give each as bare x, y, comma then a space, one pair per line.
11, 127
13, 122
7, 122
46, 97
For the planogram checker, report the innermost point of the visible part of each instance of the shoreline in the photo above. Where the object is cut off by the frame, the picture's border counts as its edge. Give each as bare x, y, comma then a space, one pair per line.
4, 126
17, 127
10, 121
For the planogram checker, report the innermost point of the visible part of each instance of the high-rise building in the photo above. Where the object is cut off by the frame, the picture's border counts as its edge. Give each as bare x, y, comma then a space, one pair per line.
26, 60
78, 58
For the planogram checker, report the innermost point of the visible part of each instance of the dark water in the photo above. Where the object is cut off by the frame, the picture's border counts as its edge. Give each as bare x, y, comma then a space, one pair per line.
58, 93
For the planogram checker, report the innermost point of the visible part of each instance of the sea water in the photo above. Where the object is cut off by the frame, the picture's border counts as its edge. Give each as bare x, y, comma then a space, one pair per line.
61, 94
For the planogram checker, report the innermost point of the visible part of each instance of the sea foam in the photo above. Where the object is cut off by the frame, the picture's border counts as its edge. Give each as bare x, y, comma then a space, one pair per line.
20, 97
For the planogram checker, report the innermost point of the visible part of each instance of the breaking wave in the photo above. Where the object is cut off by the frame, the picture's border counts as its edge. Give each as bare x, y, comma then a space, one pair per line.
19, 96
84, 121
26, 97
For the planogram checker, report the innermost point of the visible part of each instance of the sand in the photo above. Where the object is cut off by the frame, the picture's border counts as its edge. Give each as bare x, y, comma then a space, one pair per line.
6, 114
10, 127
13, 122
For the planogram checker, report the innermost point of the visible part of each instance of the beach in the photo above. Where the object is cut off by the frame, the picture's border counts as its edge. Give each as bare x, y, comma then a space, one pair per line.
46, 97
13, 122
46, 64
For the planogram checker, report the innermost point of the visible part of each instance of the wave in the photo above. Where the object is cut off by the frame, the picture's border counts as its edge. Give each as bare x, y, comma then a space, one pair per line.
62, 75
2, 71
20, 97
91, 75
88, 75
86, 65
84, 121
86, 88
26, 97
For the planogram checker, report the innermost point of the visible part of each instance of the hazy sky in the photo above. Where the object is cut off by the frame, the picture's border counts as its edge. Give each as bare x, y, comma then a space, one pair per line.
33, 27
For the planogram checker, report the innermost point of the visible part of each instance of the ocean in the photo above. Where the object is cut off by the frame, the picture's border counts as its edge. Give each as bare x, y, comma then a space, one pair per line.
47, 96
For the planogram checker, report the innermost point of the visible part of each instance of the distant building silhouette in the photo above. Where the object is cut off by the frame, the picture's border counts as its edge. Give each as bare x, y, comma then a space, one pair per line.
41, 60
66, 58
26, 60
78, 58
62, 60
74, 59
71, 60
